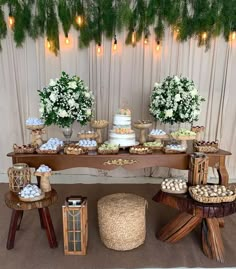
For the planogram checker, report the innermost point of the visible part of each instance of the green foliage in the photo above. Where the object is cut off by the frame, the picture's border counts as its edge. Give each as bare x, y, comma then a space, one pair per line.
191, 18
3, 27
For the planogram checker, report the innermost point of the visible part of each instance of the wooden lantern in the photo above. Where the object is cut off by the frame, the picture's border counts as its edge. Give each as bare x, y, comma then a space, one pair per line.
19, 176
198, 169
75, 225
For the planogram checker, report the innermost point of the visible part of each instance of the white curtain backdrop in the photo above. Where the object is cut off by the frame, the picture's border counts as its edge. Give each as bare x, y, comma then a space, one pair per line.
124, 78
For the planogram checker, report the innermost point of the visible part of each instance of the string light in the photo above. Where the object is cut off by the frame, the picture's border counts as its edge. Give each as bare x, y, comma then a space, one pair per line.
204, 36
233, 35
99, 48
11, 21
146, 39
67, 40
79, 20
115, 43
49, 44
133, 38
158, 45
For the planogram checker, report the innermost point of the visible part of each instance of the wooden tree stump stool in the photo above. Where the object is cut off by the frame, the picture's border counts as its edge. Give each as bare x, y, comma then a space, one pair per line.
192, 213
18, 207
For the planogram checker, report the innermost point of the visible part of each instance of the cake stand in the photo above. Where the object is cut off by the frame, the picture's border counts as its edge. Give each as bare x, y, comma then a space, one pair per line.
44, 181
99, 125
184, 139
158, 138
142, 127
36, 132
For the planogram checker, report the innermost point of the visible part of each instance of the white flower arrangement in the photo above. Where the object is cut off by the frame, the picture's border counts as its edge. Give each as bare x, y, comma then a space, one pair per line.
66, 100
175, 100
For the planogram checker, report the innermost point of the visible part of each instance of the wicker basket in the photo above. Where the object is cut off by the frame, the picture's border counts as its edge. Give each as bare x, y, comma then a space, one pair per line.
99, 124
88, 136
39, 151
213, 200
172, 151
74, 149
23, 149
108, 151
140, 150
121, 219
35, 127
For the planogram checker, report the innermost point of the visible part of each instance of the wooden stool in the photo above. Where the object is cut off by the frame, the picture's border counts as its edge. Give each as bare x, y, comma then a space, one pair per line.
18, 207
192, 213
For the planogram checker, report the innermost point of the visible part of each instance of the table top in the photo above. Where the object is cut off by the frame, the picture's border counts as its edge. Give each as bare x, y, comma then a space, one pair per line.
12, 201
128, 161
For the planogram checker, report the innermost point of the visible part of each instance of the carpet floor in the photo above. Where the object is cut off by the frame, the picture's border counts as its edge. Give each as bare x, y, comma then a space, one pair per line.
32, 251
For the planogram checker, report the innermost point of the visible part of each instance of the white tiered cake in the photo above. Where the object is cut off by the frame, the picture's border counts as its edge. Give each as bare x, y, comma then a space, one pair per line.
122, 134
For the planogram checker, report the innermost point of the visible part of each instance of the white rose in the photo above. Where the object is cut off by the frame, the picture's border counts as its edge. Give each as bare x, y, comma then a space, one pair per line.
156, 85
177, 97
193, 92
52, 82
196, 113
88, 112
41, 110
62, 113
71, 102
53, 97
72, 85
169, 113
87, 94
176, 79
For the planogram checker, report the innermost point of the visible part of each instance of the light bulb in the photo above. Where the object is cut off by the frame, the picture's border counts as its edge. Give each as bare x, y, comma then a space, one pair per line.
115, 46
49, 44
11, 21
67, 40
79, 20
204, 36
99, 49
115, 43
233, 36
133, 38
158, 46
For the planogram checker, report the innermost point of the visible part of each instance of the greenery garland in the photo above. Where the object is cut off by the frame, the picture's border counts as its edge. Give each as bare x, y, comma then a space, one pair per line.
191, 19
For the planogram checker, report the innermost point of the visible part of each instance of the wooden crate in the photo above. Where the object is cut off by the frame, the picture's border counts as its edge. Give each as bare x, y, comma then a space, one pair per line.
75, 228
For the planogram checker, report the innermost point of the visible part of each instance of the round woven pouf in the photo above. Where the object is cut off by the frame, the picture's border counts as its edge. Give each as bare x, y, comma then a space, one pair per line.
121, 220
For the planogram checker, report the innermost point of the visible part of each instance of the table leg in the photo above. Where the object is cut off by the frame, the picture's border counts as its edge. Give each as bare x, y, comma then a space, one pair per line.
212, 242
49, 227
20, 219
221, 222
41, 219
178, 228
222, 172
16, 214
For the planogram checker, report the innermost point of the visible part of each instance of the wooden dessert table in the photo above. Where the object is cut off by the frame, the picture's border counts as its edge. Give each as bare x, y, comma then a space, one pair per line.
128, 161
191, 212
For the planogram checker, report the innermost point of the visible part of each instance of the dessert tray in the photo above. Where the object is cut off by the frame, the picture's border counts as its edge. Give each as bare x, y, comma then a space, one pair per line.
154, 145
35, 127
125, 145
140, 150
172, 150
174, 185
87, 135
142, 124
206, 147
99, 124
48, 151
75, 149
31, 193
108, 149
212, 193
24, 148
